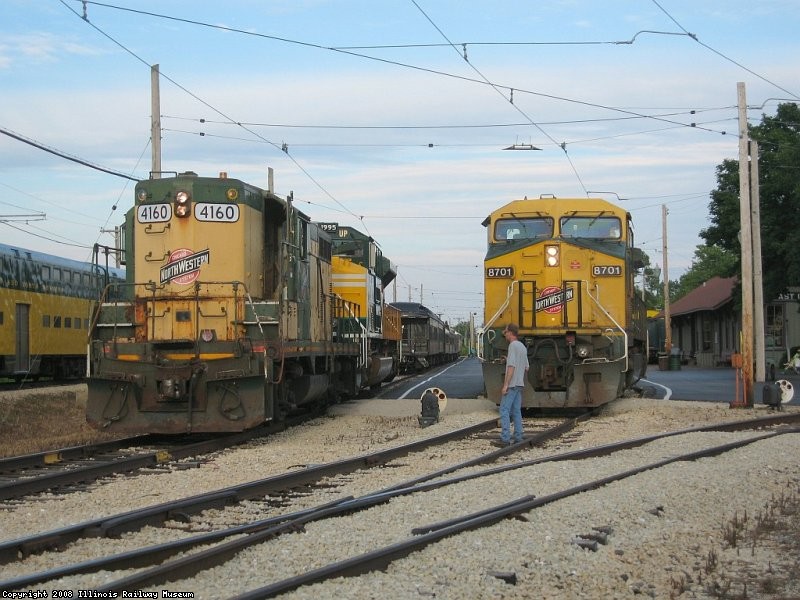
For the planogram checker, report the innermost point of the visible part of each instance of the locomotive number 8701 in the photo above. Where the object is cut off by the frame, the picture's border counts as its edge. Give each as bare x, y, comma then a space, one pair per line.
563, 270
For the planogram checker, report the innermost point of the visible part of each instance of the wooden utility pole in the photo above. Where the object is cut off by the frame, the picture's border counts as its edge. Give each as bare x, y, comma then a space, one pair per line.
665, 268
471, 332
155, 122
758, 284
746, 241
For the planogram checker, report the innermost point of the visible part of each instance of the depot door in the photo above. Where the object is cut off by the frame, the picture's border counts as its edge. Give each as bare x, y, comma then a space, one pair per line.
22, 348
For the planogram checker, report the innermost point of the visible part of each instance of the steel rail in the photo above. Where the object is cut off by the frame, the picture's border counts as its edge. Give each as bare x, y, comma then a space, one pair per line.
115, 525
104, 466
267, 529
275, 526
380, 558
11, 464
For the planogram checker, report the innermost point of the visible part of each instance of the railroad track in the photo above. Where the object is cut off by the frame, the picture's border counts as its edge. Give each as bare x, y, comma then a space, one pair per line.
261, 531
45, 385
64, 469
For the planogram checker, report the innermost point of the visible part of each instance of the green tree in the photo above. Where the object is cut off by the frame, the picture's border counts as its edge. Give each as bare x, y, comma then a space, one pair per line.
779, 189
462, 327
708, 262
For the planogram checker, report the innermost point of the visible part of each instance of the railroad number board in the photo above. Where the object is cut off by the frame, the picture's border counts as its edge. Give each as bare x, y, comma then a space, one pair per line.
606, 270
500, 272
203, 211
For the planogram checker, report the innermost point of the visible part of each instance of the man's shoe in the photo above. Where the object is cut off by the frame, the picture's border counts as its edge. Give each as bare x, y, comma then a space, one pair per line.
500, 443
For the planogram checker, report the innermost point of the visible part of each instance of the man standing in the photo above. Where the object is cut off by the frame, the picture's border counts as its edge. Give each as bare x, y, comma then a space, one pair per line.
513, 383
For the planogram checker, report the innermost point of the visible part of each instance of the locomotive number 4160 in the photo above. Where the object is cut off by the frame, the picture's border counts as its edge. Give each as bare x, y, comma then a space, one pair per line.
210, 211
606, 270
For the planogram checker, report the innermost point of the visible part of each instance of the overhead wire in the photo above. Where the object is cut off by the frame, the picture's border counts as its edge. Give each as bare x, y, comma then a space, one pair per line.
72, 209
518, 91
510, 89
550, 43
21, 138
81, 161
283, 148
440, 145
720, 54
517, 108
687, 111
49, 239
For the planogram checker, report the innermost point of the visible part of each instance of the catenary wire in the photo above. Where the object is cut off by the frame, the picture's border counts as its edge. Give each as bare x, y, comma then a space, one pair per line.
282, 148
80, 161
507, 88
720, 54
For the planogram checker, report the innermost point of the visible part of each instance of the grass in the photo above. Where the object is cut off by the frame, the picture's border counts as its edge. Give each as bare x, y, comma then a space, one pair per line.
36, 422
774, 531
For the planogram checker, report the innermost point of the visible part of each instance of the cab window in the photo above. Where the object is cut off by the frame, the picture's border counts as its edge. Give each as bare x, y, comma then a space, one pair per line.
523, 228
596, 227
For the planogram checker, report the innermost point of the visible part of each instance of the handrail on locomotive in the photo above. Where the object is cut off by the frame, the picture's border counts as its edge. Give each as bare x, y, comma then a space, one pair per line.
491, 333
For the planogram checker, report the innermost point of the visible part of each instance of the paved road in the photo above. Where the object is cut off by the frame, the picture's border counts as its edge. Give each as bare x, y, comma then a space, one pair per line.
461, 379
464, 379
710, 385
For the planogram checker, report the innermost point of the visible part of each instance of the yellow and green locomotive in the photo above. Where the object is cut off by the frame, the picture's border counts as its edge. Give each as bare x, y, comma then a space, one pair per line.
228, 319
563, 269
360, 275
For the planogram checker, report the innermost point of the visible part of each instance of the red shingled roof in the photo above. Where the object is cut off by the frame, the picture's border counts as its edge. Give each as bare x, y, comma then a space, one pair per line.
713, 294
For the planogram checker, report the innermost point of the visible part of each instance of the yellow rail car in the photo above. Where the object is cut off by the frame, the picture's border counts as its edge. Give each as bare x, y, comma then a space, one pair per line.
563, 269
46, 303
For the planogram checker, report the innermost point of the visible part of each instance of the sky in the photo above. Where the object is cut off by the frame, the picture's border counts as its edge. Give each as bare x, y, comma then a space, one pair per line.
390, 116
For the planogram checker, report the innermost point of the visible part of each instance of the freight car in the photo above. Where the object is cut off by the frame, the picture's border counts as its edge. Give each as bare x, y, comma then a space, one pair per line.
45, 312
427, 340
563, 270
231, 319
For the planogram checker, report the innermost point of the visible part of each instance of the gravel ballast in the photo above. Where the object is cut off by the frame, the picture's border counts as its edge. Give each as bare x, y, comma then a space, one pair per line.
671, 528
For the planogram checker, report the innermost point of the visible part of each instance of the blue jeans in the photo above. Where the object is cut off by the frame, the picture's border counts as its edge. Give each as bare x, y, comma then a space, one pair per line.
511, 404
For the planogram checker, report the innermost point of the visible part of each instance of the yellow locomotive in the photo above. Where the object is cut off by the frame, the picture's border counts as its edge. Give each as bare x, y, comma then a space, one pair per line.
360, 275
229, 319
563, 269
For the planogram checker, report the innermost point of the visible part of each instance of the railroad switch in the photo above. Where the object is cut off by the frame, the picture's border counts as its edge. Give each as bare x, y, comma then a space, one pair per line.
430, 409
771, 396
434, 401
776, 394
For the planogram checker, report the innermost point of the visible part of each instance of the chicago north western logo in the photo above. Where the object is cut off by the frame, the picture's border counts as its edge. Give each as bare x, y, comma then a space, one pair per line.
183, 266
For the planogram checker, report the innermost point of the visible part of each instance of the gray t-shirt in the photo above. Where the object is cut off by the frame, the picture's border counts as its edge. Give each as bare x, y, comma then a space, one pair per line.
517, 358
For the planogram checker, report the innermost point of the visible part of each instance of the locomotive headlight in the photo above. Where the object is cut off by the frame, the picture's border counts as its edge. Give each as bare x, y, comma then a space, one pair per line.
583, 350
183, 204
551, 255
